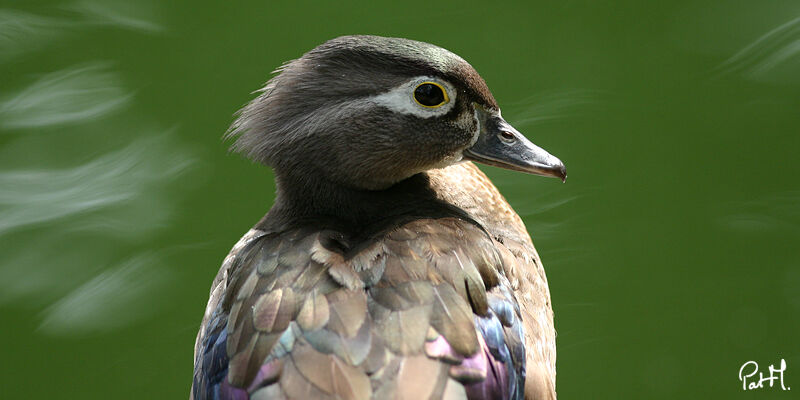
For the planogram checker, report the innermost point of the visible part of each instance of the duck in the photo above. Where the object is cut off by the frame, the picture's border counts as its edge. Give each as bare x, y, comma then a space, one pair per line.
389, 265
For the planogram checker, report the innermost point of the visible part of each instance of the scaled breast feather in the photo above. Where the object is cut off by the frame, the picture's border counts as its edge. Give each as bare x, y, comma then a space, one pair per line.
420, 311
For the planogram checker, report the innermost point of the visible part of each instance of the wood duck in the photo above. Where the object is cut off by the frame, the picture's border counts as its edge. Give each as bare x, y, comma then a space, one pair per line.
389, 266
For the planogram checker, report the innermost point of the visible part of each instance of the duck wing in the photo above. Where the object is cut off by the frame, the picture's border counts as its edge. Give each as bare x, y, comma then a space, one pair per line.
421, 311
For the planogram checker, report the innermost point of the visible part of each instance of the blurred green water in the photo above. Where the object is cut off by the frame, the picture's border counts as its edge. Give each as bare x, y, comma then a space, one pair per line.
671, 251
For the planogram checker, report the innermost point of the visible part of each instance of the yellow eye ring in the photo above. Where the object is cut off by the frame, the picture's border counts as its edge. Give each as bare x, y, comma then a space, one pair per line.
430, 95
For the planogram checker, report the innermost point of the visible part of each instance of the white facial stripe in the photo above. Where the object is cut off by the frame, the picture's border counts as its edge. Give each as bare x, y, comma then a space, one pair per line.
401, 98
478, 126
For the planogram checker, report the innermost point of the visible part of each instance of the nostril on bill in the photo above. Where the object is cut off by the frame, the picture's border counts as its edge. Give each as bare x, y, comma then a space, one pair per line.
507, 136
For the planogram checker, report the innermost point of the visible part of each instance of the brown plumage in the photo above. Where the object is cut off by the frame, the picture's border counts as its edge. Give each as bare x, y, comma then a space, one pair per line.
429, 288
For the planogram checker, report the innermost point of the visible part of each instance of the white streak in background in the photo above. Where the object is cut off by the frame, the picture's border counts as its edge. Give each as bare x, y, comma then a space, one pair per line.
129, 177
775, 213
60, 227
74, 95
539, 207
550, 106
775, 56
22, 32
115, 298
133, 15
548, 197
40, 266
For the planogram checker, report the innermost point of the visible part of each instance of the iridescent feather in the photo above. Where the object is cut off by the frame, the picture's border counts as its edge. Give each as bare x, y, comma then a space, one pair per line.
433, 308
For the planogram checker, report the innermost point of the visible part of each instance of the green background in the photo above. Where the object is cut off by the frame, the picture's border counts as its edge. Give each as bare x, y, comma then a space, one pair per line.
671, 251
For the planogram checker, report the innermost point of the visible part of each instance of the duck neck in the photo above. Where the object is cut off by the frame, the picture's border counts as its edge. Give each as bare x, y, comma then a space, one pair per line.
315, 201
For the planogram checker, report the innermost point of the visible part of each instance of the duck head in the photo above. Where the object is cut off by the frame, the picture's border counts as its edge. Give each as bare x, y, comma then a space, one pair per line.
367, 112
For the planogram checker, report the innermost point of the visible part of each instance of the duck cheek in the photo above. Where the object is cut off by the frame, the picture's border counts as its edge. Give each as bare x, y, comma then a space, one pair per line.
445, 148
456, 140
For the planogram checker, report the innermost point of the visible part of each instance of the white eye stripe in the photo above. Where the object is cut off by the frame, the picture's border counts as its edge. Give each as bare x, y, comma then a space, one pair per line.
401, 99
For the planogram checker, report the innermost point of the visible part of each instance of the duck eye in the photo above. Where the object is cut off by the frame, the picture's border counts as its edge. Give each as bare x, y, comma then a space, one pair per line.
430, 94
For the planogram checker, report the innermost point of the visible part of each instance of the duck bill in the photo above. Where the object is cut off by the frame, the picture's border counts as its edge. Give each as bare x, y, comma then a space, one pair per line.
500, 145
